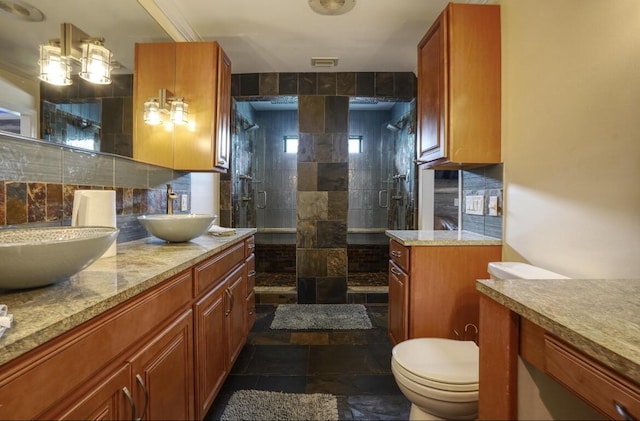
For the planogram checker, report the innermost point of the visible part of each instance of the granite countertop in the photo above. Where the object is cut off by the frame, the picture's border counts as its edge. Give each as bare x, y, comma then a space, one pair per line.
43, 313
600, 317
441, 238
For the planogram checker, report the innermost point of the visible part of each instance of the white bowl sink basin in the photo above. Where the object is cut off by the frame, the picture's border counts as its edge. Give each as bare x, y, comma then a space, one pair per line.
177, 228
33, 257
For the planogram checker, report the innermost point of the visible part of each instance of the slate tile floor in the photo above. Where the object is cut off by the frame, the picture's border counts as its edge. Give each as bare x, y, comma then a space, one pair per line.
354, 365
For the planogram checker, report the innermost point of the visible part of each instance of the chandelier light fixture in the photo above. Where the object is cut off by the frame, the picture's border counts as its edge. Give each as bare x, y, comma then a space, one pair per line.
75, 46
166, 108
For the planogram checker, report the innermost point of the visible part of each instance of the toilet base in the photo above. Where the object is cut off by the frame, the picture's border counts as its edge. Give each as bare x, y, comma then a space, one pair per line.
418, 414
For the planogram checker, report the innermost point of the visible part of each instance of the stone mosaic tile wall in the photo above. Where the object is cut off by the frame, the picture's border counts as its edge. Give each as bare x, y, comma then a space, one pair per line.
38, 180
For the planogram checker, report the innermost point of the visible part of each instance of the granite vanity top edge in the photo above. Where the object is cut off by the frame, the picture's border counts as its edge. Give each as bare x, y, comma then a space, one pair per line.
597, 343
441, 238
18, 341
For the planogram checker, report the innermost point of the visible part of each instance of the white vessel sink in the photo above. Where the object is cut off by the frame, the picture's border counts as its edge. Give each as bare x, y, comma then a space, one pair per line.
33, 257
177, 228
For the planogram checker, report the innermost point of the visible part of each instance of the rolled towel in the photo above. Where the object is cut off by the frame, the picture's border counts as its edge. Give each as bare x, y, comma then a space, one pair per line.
221, 231
5, 319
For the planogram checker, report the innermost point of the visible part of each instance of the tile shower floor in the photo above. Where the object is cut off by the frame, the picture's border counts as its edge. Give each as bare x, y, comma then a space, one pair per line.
353, 365
363, 288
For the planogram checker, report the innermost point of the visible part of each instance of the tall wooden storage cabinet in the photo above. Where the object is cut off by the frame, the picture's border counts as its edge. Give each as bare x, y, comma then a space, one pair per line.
199, 72
458, 102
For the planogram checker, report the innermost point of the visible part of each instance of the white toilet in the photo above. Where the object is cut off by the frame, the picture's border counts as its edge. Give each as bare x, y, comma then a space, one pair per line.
440, 376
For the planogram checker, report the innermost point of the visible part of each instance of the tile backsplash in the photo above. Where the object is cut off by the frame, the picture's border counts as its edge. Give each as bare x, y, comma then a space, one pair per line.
38, 181
484, 181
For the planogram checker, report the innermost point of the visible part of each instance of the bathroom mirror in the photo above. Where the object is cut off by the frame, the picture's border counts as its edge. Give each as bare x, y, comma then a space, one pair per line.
24, 98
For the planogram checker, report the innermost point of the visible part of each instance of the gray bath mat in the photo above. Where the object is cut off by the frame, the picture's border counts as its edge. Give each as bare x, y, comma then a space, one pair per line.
321, 316
264, 405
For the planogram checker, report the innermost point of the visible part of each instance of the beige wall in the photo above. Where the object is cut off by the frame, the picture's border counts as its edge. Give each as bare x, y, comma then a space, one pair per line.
571, 151
571, 135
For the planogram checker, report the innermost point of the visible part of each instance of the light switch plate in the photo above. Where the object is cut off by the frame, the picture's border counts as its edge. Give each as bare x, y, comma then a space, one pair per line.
474, 205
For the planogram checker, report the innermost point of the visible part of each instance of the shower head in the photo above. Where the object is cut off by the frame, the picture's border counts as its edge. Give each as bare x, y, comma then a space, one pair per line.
252, 127
394, 127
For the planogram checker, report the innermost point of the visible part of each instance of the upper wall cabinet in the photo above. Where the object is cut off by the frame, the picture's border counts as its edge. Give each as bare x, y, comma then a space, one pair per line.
200, 73
458, 100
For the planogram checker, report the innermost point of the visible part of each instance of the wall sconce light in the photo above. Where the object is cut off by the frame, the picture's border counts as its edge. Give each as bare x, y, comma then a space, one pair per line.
75, 45
155, 109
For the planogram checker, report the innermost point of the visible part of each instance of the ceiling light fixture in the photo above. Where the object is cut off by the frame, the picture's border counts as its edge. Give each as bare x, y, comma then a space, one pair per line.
332, 7
74, 45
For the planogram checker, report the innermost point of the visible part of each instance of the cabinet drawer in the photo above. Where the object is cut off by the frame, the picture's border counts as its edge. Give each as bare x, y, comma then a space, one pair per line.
251, 273
596, 384
399, 254
249, 246
211, 271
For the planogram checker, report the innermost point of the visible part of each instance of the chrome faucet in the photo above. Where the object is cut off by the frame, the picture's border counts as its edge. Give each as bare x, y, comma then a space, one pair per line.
171, 195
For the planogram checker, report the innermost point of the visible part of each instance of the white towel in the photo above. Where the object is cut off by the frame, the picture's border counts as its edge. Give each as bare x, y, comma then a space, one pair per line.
221, 231
5, 319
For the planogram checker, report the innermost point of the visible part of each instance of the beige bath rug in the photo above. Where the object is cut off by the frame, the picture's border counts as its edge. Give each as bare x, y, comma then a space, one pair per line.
321, 316
265, 405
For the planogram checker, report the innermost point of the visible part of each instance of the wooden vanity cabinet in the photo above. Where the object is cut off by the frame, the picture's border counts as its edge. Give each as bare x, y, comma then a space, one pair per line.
432, 289
91, 372
220, 320
199, 72
458, 98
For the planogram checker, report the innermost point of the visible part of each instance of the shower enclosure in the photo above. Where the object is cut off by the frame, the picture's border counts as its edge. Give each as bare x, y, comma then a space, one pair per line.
381, 193
381, 187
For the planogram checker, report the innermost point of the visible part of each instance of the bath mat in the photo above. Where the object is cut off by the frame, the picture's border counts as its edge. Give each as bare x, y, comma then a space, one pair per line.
321, 316
264, 405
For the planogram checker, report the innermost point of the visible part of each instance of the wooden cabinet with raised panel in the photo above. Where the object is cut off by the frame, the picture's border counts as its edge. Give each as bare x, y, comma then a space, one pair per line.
163, 373
250, 265
200, 73
220, 320
432, 289
458, 99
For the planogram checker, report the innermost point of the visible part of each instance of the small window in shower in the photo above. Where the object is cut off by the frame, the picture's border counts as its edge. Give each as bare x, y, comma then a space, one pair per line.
291, 144
355, 144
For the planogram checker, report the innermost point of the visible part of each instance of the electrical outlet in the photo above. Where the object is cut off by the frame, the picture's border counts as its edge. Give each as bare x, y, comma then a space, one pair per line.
493, 206
474, 205
184, 203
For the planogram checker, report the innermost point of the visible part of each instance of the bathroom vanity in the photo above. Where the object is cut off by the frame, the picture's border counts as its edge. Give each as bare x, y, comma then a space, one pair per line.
583, 333
150, 333
432, 282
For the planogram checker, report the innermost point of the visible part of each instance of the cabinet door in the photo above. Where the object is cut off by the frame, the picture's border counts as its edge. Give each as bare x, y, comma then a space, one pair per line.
109, 399
432, 99
211, 348
155, 69
196, 81
163, 373
398, 317
223, 111
235, 309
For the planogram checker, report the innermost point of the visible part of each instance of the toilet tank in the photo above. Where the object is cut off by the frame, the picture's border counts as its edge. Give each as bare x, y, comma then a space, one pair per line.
517, 270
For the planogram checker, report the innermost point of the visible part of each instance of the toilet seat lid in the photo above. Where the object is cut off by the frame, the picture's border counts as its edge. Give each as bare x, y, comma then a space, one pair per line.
440, 360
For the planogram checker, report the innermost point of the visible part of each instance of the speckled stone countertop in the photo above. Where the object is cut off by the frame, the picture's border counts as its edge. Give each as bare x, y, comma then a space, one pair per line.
42, 314
599, 317
441, 238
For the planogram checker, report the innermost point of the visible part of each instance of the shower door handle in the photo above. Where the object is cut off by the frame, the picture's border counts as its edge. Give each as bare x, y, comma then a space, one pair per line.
380, 193
264, 201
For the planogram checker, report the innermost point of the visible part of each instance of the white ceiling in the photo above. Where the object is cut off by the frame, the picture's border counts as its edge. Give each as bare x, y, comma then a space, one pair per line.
258, 35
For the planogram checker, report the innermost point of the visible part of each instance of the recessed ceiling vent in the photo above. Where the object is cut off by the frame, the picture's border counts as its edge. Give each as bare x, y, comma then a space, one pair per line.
324, 61
331, 7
